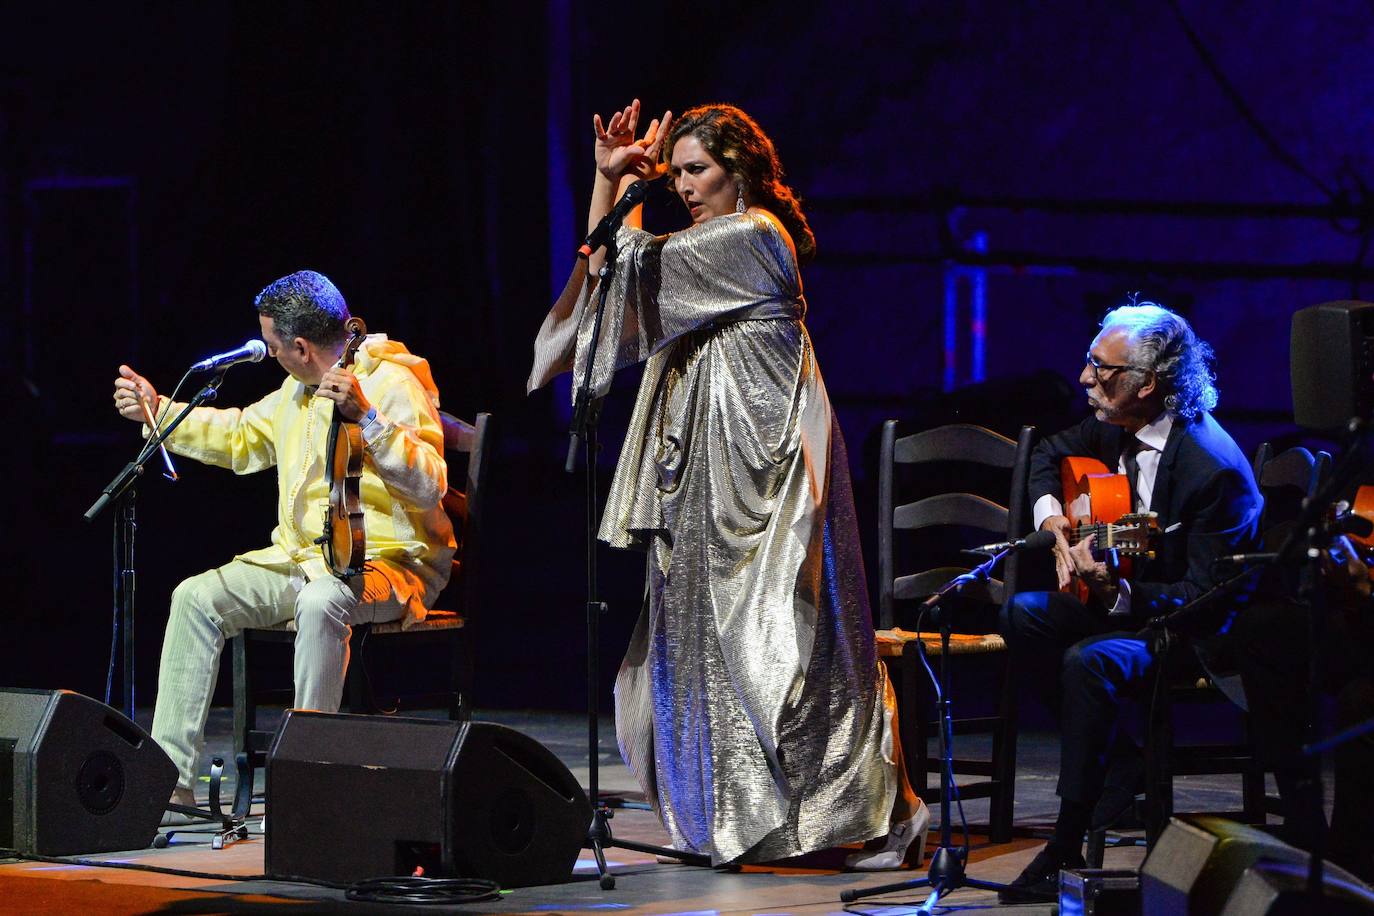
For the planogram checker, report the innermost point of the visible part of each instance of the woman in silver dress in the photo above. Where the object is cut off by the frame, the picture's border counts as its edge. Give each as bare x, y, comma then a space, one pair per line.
751, 705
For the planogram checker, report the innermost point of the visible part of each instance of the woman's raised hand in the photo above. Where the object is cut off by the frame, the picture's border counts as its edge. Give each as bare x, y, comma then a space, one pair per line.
617, 151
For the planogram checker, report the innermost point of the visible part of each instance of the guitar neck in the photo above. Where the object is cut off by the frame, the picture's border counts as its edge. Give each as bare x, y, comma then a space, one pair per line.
1103, 533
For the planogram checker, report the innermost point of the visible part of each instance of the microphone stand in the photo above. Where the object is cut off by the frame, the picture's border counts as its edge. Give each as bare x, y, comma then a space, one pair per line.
946, 872
586, 413
123, 491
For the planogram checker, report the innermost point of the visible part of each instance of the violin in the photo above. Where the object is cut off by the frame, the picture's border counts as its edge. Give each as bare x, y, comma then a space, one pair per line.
345, 536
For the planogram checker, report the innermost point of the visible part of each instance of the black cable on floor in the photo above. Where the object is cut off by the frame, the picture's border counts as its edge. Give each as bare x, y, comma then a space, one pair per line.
420, 891
379, 890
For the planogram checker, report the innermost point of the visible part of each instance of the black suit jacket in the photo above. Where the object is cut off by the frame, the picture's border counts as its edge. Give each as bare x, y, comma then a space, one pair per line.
1204, 485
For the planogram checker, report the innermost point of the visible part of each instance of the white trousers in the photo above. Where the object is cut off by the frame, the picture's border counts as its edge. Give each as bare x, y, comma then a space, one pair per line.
217, 605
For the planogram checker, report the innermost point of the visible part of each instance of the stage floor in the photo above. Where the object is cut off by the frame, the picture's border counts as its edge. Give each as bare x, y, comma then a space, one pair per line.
643, 885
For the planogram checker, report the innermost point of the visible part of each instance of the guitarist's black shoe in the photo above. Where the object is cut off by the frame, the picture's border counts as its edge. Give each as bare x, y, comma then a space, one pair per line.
1039, 881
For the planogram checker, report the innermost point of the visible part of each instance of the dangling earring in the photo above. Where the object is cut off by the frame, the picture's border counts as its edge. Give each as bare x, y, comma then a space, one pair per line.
739, 201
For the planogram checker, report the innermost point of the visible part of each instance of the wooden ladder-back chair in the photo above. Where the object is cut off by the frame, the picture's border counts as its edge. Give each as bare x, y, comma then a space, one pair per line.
1284, 481
449, 622
959, 514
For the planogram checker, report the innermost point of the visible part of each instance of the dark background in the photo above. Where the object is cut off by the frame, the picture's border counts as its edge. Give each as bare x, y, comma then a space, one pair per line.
160, 163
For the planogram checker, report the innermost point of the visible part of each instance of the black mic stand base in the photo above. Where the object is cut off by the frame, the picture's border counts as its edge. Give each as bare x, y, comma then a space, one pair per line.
600, 838
945, 874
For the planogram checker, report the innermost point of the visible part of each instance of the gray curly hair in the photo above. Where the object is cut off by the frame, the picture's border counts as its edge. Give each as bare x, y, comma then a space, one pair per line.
1162, 341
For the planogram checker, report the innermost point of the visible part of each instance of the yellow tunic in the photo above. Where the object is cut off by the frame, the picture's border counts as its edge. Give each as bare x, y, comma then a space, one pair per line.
409, 537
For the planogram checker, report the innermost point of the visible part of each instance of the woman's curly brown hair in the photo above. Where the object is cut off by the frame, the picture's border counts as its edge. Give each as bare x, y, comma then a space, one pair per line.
737, 142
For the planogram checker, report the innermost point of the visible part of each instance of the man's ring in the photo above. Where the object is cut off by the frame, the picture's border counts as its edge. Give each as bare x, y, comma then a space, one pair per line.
335, 387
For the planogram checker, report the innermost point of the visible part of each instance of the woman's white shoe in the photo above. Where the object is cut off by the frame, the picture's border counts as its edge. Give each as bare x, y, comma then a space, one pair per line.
894, 850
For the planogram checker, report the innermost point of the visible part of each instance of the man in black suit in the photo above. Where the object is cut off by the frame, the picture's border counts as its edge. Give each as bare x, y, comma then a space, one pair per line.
1150, 386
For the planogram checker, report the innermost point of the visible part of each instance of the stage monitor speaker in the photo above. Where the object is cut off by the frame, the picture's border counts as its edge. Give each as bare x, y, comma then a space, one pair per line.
77, 777
1198, 861
357, 797
1280, 889
1331, 363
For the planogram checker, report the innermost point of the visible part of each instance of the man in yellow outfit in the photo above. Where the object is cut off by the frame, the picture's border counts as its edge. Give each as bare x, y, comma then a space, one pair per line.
390, 393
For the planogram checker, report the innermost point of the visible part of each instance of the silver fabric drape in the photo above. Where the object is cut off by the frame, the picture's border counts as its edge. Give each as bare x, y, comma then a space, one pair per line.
750, 705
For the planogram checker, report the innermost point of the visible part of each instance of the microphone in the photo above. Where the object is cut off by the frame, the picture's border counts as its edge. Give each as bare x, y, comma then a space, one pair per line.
633, 197
1039, 540
1245, 559
251, 352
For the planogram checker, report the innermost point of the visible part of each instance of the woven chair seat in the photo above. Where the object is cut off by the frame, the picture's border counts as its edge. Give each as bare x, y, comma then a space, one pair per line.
892, 642
434, 620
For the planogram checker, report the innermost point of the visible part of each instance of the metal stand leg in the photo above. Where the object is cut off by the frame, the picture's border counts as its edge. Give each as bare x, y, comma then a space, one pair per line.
231, 825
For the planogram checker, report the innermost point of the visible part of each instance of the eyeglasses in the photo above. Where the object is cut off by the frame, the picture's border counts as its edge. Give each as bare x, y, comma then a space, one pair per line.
1100, 367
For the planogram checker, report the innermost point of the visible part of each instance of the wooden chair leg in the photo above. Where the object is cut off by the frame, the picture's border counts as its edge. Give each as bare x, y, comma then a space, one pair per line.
910, 729
358, 680
460, 675
1253, 801
1159, 783
245, 721
1003, 801
1097, 845
914, 704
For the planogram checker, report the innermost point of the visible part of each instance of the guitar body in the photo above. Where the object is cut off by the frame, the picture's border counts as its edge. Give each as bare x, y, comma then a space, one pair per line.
1363, 506
1093, 494
1098, 502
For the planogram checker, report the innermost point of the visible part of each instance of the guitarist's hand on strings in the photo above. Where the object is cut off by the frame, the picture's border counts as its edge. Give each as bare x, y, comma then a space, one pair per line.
1347, 575
341, 386
1063, 562
1096, 574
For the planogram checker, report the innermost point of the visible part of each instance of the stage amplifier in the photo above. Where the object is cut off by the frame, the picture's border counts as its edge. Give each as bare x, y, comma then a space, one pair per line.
357, 797
76, 776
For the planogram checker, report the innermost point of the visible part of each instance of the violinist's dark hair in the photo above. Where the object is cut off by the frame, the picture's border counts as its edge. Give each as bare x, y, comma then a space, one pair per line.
305, 304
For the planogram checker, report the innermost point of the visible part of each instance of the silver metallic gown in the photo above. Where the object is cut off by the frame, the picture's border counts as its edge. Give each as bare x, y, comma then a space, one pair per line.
750, 706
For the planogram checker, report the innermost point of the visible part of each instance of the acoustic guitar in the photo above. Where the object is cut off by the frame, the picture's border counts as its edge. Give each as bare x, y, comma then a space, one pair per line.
1363, 506
1098, 503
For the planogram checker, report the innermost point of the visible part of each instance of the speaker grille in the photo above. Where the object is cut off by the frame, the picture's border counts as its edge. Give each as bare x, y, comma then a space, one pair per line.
512, 821
100, 782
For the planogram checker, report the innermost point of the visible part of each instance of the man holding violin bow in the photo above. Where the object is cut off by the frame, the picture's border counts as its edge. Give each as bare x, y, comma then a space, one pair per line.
391, 397
1191, 491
